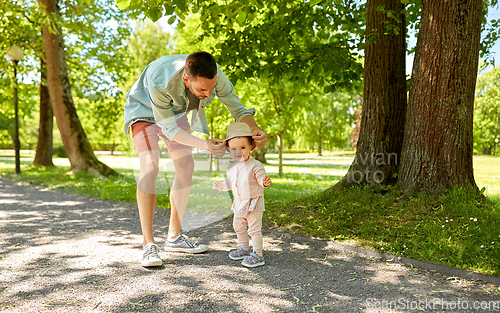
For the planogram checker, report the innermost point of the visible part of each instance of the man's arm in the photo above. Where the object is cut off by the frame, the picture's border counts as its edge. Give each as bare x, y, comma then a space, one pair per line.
215, 145
258, 134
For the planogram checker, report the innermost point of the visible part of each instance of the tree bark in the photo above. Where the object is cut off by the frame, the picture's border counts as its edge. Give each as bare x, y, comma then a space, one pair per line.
384, 100
43, 154
76, 144
259, 153
280, 154
438, 139
320, 139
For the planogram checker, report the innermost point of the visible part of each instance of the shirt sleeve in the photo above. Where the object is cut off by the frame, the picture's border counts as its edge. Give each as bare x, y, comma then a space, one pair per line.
226, 185
259, 173
225, 92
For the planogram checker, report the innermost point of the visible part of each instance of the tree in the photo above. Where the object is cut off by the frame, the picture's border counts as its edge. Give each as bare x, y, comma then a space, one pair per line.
384, 96
44, 147
313, 41
76, 144
438, 139
147, 43
326, 120
97, 30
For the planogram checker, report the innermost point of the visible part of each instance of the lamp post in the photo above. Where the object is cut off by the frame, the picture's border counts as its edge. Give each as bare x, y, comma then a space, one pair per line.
496, 143
15, 54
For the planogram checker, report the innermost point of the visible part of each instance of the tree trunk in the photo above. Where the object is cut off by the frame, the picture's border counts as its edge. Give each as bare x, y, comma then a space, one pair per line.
438, 140
280, 154
43, 154
320, 139
76, 144
259, 153
384, 100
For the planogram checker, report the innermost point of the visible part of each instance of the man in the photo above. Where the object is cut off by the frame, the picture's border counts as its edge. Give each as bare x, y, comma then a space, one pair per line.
157, 106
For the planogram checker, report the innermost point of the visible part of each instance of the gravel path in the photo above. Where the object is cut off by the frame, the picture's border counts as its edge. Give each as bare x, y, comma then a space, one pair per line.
66, 253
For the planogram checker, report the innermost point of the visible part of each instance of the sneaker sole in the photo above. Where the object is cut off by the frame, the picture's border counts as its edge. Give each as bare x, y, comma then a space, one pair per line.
193, 250
151, 263
253, 265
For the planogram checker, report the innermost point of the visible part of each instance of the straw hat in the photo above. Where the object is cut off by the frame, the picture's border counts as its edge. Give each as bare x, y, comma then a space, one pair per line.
238, 129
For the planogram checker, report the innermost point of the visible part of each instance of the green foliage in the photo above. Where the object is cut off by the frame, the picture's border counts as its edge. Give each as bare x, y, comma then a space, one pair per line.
147, 43
315, 41
96, 56
325, 114
27, 108
487, 112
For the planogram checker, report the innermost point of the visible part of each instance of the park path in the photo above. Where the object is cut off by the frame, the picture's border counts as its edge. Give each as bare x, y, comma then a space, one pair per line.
67, 253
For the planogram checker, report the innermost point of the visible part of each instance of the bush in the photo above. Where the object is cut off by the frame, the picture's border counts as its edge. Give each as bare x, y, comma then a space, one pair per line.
59, 152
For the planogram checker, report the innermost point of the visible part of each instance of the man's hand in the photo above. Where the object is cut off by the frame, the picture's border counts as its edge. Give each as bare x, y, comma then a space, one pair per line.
267, 181
259, 136
217, 147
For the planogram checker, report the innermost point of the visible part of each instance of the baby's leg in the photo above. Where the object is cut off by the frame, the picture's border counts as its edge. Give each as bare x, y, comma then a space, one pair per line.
255, 231
240, 227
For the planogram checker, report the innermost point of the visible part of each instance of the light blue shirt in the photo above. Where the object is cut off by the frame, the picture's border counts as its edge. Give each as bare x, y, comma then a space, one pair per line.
159, 96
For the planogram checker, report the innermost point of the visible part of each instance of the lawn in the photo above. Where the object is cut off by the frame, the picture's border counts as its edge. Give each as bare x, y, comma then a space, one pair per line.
458, 229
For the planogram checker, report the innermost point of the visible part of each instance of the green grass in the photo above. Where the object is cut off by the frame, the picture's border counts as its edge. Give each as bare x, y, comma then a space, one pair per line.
458, 229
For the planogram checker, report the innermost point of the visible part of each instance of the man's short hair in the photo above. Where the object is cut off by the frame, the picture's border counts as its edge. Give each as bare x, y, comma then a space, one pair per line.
201, 64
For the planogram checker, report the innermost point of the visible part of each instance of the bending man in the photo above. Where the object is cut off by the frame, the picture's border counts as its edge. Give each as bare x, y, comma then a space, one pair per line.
157, 106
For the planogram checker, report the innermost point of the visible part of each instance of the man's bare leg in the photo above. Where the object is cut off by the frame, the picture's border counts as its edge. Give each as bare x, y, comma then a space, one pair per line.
179, 194
146, 193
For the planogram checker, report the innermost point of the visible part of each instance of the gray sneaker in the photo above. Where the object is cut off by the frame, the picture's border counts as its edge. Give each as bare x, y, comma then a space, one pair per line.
184, 244
150, 257
253, 260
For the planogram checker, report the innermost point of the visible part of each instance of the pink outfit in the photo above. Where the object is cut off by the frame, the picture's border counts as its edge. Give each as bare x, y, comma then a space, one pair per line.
245, 179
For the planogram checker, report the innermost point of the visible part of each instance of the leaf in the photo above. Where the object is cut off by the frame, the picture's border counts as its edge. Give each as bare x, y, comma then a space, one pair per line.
242, 17
314, 2
171, 20
169, 10
380, 8
153, 13
122, 4
317, 68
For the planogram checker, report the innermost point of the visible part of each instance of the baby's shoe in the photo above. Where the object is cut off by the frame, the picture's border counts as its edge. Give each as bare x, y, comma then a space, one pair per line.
239, 254
253, 260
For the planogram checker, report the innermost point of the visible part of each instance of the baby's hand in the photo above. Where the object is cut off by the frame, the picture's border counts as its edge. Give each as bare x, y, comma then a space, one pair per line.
217, 185
267, 181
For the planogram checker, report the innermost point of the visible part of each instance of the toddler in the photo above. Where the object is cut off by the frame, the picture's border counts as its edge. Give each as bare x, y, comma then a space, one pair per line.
246, 178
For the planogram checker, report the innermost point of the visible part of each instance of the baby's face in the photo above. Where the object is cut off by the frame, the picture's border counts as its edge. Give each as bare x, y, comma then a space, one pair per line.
239, 148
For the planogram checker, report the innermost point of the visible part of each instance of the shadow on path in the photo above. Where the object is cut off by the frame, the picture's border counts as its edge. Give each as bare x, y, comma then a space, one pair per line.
66, 253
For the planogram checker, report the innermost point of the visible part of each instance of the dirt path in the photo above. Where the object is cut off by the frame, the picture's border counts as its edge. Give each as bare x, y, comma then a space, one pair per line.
66, 253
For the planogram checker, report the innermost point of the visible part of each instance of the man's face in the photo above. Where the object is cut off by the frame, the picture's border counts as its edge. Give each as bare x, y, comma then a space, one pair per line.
201, 87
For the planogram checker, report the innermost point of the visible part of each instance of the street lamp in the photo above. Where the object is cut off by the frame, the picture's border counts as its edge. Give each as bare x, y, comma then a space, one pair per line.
496, 142
15, 54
